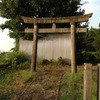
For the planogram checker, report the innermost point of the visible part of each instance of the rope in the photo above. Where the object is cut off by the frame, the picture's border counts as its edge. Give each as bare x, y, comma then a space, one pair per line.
59, 87
25, 90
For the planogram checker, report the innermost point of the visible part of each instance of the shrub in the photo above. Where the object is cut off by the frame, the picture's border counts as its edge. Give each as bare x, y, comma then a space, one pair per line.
12, 59
53, 62
4, 61
17, 57
23, 65
60, 61
43, 62
89, 58
97, 54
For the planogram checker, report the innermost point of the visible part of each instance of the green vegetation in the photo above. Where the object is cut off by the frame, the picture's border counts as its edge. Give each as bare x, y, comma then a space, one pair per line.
14, 9
88, 46
14, 79
13, 73
48, 85
72, 86
14, 67
12, 60
43, 62
59, 61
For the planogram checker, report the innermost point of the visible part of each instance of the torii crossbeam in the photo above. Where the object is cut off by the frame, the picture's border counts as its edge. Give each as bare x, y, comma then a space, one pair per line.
72, 20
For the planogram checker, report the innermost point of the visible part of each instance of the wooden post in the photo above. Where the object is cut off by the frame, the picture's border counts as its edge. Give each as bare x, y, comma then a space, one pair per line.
98, 82
87, 81
34, 51
73, 49
53, 26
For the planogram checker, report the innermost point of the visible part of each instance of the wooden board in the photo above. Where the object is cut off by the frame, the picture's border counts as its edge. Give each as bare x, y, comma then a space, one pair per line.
82, 18
59, 30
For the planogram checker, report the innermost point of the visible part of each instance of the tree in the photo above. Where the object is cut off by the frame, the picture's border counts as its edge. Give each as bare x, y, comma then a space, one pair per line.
14, 9
88, 46
92, 39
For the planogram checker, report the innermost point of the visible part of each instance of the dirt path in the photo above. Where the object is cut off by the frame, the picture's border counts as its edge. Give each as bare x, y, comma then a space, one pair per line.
46, 85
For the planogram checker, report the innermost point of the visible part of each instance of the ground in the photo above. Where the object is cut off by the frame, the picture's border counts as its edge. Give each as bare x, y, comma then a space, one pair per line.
48, 83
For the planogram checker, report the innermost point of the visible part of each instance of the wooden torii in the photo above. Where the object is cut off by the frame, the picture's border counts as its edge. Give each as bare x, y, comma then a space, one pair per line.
72, 20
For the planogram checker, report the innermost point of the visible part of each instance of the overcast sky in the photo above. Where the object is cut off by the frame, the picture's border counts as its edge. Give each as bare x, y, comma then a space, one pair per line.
92, 6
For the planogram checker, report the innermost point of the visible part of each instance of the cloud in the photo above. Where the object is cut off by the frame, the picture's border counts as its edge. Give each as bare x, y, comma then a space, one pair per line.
6, 43
89, 7
2, 20
93, 6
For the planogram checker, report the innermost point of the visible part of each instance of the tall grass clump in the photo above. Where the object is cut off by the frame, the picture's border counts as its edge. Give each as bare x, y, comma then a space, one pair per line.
72, 86
13, 72
60, 61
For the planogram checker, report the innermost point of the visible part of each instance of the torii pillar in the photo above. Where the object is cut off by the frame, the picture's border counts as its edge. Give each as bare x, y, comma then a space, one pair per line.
34, 50
73, 48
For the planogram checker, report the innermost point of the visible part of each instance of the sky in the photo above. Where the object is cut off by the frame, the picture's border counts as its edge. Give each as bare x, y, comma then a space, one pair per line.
92, 6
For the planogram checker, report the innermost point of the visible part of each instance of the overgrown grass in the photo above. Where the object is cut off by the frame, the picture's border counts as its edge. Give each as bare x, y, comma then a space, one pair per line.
12, 81
15, 75
72, 86
11, 59
12, 73
48, 85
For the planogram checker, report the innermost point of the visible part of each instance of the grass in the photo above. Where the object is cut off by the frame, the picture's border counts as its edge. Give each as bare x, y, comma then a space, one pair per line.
72, 86
48, 85
15, 78
13, 73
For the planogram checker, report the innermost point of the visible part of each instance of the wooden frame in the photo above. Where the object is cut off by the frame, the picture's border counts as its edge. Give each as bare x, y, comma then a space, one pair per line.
72, 20
57, 30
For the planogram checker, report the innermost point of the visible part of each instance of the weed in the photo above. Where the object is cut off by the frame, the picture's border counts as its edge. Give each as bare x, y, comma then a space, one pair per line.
48, 85
43, 62
23, 65
94, 87
71, 87
60, 61
26, 76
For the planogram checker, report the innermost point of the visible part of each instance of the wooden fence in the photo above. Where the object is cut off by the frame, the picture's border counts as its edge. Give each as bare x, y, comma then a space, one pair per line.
88, 82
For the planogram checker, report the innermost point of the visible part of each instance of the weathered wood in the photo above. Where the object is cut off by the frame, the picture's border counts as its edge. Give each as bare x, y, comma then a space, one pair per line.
82, 18
34, 51
87, 81
56, 30
53, 26
73, 49
98, 82
72, 20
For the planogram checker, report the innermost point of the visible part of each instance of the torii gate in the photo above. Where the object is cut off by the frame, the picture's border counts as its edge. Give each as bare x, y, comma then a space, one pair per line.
72, 20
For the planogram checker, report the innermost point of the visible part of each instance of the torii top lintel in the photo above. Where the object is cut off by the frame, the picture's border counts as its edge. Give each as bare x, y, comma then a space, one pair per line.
45, 20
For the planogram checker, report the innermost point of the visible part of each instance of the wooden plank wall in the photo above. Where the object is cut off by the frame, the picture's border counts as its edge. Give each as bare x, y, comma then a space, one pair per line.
50, 47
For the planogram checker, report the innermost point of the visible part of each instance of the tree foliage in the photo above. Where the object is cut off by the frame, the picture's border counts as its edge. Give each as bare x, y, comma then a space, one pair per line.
88, 46
92, 39
14, 9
